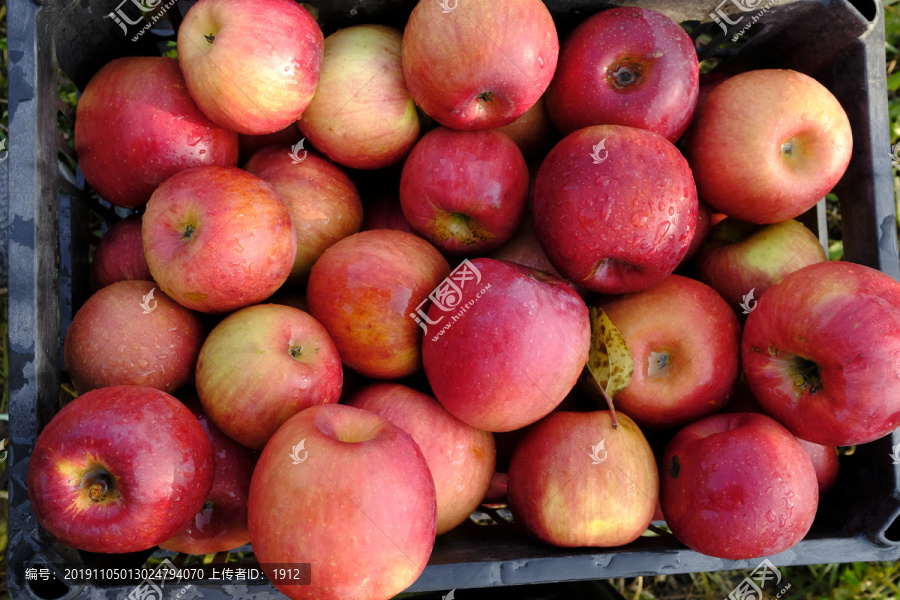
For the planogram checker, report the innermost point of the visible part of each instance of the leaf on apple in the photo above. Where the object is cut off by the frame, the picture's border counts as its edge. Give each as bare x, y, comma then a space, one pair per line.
609, 362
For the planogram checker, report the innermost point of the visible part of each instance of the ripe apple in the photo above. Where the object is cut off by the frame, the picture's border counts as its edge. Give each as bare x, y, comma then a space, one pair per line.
221, 524
685, 342
626, 66
826, 463
263, 364
120, 255
131, 333
323, 202
820, 353
780, 157
363, 476
704, 225
362, 115
742, 260
248, 145
575, 480
250, 65
384, 212
533, 131
119, 469
137, 126
218, 239
615, 208
504, 350
738, 486
481, 64
464, 191
461, 458
363, 290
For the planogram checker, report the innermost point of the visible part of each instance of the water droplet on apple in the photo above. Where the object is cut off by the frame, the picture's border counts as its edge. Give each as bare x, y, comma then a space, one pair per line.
770, 516
639, 218
304, 382
661, 231
671, 211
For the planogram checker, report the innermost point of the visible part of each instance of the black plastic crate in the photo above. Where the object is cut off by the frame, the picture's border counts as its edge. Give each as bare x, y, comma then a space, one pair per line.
840, 43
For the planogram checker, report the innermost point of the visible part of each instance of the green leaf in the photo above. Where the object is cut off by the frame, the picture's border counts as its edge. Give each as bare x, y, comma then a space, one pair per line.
609, 361
893, 82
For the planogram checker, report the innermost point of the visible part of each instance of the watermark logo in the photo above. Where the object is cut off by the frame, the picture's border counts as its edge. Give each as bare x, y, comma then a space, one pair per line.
597, 149
751, 587
596, 450
747, 6
895, 154
151, 588
296, 159
748, 298
295, 453
3, 150
450, 595
896, 454
145, 304
448, 295
121, 19
4, 452
445, 5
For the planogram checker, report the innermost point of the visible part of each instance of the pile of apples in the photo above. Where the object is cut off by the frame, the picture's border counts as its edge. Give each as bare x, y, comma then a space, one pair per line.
550, 179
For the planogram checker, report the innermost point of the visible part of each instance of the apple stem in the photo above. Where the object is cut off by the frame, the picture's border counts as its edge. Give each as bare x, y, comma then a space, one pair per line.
210, 38
98, 490
612, 409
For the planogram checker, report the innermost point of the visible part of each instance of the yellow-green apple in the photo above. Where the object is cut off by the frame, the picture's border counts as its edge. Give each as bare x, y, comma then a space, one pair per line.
120, 255
686, 344
504, 343
464, 191
346, 466
323, 202
779, 156
132, 333
820, 353
738, 486
218, 239
742, 260
137, 126
626, 66
363, 290
119, 469
263, 364
615, 208
250, 65
248, 145
480, 64
533, 131
221, 524
384, 212
825, 461
362, 115
575, 480
461, 458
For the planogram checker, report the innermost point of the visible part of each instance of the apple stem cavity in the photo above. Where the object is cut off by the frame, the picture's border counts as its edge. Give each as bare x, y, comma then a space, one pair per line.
806, 375
296, 351
99, 485
657, 364
486, 97
787, 148
210, 38
188, 232
623, 74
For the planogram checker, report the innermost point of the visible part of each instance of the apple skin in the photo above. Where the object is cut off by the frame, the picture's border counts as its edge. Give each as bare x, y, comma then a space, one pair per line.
119, 469
820, 351
364, 476
738, 486
201, 234
626, 66
323, 202
221, 524
826, 463
137, 126
509, 49
113, 340
263, 364
780, 157
561, 497
461, 458
623, 224
384, 212
738, 257
687, 322
464, 191
250, 65
704, 226
249, 145
512, 352
362, 115
120, 255
363, 290
533, 131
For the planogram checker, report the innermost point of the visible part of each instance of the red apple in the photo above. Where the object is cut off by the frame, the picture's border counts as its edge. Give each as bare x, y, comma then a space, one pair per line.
137, 126
131, 333
762, 156
323, 202
218, 239
362, 115
250, 65
533, 131
363, 290
464, 191
120, 255
504, 343
738, 486
461, 458
249, 145
825, 461
820, 352
221, 524
615, 208
685, 342
349, 493
704, 225
626, 66
119, 469
384, 212
575, 480
480, 64
263, 364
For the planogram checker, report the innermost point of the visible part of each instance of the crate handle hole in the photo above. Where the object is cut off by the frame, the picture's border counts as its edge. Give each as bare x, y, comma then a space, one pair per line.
49, 589
892, 533
866, 8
